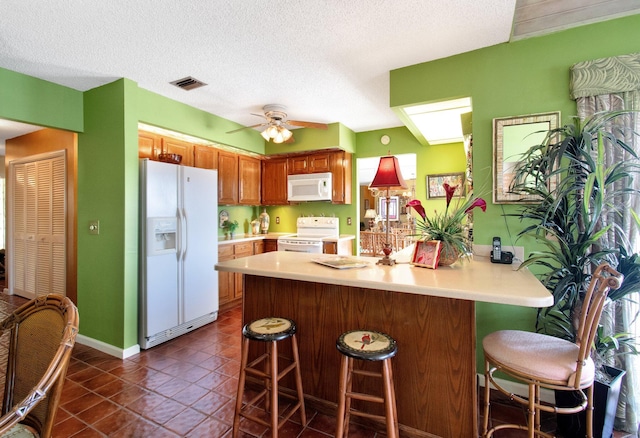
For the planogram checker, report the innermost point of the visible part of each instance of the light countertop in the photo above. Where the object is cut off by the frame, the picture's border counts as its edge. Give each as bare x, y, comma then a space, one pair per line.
237, 237
477, 279
249, 237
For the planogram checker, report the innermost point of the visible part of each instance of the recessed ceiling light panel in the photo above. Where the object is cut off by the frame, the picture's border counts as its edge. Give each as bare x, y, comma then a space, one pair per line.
439, 122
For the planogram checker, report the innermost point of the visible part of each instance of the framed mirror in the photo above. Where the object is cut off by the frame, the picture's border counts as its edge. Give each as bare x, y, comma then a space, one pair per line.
512, 136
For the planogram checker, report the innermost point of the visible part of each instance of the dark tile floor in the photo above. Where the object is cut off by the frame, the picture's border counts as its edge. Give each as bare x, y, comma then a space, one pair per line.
183, 388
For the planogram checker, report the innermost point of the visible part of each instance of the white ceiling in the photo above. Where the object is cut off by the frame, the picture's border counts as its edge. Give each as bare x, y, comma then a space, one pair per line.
326, 60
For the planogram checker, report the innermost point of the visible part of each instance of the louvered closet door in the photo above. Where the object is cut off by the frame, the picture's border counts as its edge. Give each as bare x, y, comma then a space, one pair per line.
38, 216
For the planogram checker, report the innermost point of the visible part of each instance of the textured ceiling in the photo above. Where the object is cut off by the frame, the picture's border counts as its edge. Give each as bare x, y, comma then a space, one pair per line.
326, 60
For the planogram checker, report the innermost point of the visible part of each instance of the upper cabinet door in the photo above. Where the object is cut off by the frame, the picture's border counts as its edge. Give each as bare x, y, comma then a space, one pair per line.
249, 183
227, 178
310, 163
149, 145
205, 157
319, 163
274, 181
173, 146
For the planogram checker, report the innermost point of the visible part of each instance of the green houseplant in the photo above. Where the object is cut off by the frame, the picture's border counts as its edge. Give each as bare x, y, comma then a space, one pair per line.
448, 226
230, 227
578, 195
576, 192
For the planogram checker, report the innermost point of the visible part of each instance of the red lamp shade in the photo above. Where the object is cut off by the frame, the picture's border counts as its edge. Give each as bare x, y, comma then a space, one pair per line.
388, 174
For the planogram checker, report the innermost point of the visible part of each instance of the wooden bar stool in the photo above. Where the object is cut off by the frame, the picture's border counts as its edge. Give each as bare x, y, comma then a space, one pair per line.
371, 346
270, 330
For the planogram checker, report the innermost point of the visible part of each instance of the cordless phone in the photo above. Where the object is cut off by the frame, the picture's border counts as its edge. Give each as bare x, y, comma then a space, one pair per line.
496, 255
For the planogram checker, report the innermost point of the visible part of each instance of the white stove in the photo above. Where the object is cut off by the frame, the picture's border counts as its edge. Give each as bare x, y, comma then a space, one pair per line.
309, 235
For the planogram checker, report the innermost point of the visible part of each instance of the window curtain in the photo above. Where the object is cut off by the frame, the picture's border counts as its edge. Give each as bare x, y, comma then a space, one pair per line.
613, 84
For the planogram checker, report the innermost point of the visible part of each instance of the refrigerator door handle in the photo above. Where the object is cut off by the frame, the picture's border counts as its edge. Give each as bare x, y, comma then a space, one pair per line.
185, 230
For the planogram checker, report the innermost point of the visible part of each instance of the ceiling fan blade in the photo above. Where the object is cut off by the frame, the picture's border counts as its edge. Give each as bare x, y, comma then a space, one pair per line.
307, 124
290, 141
247, 127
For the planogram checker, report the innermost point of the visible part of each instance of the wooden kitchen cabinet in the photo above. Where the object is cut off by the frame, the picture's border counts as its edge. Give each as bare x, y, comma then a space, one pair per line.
340, 247
244, 249
270, 245
258, 246
340, 162
227, 178
149, 145
249, 170
226, 280
230, 284
311, 163
274, 181
183, 148
205, 157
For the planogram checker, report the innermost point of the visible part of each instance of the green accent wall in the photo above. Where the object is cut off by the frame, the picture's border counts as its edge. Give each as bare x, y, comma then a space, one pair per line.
524, 77
163, 112
30, 100
107, 191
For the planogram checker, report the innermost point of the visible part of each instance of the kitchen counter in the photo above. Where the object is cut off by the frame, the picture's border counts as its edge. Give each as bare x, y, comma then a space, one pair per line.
476, 280
340, 238
222, 240
430, 314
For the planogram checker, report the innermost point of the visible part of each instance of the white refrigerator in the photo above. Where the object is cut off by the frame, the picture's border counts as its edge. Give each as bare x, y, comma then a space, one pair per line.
178, 250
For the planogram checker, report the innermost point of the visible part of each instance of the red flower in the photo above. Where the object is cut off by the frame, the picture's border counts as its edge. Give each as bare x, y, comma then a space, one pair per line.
417, 206
449, 190
478, 202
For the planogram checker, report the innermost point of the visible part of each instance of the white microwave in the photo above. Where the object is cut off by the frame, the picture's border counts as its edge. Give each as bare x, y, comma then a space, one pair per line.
309, 187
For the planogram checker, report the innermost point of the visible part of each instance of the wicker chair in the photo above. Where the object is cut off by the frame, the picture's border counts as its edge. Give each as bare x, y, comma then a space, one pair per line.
40, 335
543, 361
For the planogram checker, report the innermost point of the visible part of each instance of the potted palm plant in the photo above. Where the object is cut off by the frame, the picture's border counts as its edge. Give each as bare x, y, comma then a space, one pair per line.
577, 194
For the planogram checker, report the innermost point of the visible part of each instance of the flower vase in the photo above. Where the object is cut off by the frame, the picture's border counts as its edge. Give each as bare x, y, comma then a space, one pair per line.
448, 255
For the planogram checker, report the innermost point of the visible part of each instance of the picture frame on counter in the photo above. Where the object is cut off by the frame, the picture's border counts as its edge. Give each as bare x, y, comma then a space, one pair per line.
426, 253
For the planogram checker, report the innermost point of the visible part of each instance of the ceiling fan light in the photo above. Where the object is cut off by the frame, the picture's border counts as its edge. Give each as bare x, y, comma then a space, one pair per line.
286, 134
272, 131
279, 138
265, 135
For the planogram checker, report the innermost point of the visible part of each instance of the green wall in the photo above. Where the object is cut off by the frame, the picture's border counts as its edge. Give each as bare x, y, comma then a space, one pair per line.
31, 100
107, 191
524, 77
167, 113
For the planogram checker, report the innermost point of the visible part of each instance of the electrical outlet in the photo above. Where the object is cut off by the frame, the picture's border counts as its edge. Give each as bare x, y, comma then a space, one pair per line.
277, 219
94, 227
348, 221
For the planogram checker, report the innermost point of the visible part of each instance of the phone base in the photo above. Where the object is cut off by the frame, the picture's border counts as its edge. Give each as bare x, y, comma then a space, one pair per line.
506, 258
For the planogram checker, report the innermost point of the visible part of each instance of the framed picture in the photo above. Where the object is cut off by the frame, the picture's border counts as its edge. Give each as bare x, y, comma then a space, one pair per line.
426, 253
435, 182
393, 207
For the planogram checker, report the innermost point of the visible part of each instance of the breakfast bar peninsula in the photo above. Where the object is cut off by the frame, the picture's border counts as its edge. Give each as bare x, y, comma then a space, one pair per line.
430, 313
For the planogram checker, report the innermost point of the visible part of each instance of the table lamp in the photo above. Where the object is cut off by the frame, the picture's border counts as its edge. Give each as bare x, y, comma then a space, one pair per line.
388, 175
371, 215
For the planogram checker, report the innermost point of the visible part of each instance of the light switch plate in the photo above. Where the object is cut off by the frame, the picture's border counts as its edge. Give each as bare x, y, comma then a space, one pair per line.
94, 227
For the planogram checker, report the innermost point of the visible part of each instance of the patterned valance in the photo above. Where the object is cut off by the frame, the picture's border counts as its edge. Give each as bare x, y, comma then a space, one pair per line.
605, 76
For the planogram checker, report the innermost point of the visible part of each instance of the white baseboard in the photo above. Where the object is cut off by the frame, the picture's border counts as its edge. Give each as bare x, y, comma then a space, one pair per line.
108, 348
521, 389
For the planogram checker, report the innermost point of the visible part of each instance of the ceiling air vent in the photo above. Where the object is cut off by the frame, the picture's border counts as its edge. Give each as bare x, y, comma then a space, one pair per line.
188, 83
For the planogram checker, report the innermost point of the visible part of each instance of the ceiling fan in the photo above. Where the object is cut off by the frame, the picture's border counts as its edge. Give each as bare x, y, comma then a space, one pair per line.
276, 124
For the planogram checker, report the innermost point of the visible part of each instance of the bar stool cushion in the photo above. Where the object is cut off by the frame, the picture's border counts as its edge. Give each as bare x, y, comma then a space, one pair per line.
523, 352
269, 329
367, 345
